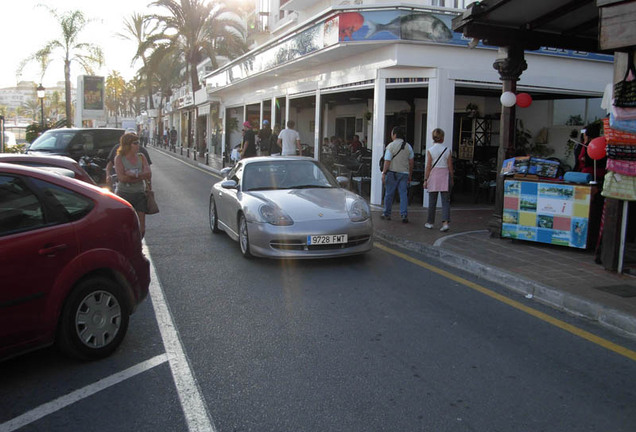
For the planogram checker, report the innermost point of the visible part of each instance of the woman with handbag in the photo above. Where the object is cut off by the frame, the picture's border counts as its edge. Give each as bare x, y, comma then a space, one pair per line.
438, 179
133, 171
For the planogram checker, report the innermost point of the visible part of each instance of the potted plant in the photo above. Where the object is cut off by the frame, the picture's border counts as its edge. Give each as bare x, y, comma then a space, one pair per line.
472, 110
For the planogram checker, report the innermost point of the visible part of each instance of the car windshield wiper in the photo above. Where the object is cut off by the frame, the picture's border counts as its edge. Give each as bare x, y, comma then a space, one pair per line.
310, 186
261, 188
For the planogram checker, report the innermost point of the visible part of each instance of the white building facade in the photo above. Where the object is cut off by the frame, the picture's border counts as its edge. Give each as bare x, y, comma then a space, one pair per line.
366, 66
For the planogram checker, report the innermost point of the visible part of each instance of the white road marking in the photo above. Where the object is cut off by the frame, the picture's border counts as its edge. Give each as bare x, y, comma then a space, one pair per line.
194, 408
192, 403
64, 401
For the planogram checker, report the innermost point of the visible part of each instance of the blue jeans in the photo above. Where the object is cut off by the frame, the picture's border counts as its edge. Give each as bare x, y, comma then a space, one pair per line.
392, 182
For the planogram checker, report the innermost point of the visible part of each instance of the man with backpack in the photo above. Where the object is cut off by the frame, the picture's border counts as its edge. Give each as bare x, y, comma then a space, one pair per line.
397, 173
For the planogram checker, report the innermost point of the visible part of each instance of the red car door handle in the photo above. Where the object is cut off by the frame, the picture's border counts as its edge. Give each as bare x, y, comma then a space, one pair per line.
52, 250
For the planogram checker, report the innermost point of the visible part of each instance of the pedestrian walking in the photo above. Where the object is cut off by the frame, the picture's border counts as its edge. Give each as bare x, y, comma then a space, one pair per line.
264, 136
173, 138
144, 137
133, 171
397, 173
289, 140
438, 179
274, 147
111, 178
248, 148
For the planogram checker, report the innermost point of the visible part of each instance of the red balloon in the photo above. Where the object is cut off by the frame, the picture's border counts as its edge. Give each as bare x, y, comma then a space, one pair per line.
596, 148
524, 100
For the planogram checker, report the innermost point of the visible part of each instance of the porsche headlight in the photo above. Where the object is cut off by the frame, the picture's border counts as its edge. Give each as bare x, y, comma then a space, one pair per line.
359, 211
274, 215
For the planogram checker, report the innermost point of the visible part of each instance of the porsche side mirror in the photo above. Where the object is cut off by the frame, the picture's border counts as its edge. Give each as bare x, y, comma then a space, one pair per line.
343, 181
229, 184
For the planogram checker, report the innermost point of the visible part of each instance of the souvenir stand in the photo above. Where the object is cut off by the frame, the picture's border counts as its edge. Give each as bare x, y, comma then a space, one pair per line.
541, 208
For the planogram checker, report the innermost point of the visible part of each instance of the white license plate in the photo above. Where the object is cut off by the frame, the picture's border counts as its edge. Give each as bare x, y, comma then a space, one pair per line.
326, 239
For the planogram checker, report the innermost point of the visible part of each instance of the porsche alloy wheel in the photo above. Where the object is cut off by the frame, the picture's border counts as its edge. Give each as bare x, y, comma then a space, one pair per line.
214, 216
244, 241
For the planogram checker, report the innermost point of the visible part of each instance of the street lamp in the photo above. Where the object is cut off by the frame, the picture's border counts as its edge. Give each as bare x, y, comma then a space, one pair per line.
40, 92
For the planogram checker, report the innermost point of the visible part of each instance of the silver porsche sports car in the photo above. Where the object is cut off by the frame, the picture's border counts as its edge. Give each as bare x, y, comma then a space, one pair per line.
289, 207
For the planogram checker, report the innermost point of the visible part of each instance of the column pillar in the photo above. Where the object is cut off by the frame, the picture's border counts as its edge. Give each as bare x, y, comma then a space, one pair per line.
223, 112
440, 112
510, 64
260, 124
318, 113
377, 149
273, 110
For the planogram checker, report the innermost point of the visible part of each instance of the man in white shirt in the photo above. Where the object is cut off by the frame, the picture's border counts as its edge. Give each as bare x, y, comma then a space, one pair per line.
289, 140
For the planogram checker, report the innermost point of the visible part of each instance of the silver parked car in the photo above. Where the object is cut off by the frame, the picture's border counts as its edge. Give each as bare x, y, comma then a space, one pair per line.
289, 207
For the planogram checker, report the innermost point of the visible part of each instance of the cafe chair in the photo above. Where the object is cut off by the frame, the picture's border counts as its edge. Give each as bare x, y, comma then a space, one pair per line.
485, 184
361, 176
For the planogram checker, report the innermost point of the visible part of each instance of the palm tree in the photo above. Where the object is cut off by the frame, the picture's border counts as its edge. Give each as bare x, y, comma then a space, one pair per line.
139, 28
114, 95
56, 105
165, 65
32, 107
87, 55
200, 28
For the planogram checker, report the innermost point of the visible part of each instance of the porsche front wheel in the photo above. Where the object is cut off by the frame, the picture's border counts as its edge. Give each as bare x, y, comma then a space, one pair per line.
244, 240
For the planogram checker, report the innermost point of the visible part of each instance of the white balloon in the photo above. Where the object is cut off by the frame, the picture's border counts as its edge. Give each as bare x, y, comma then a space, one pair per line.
508, 99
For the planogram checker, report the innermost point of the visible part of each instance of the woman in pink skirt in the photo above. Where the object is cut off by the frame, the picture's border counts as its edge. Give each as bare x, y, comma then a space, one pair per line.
438, 179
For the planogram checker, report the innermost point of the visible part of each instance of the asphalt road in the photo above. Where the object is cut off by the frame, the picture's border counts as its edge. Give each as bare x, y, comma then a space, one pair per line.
372, 343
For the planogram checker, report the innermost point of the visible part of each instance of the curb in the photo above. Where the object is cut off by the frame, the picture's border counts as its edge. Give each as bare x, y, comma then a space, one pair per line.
609, 318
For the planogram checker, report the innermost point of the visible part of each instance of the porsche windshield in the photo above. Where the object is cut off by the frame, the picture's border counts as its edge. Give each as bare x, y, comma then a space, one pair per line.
286, 174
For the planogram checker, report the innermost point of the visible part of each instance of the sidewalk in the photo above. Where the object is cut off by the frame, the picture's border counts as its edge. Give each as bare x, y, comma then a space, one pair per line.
564, 278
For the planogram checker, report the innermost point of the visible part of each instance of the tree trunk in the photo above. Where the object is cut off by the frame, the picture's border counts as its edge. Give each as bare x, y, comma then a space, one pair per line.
194, 78
67, 91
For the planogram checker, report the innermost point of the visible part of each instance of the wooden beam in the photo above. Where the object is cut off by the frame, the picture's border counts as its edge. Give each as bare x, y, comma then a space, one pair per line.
557, 13
618, 30
530, 40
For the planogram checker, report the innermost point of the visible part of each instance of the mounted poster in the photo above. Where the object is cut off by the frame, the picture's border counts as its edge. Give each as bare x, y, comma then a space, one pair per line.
551, 213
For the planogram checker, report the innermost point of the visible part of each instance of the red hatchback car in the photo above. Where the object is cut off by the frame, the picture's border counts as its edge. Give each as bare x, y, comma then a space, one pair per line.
71, 264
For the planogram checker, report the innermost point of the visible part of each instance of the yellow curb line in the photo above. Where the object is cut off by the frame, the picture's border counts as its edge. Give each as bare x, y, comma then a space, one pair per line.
517, 305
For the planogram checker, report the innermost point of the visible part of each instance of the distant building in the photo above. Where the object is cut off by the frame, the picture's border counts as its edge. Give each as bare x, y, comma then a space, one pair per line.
24, 92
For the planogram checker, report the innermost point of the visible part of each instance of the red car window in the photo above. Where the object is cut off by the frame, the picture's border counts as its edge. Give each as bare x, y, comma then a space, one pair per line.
20, 209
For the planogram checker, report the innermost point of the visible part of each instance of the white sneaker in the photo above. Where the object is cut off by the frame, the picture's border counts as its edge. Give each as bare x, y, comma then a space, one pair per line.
444, 228
428, 225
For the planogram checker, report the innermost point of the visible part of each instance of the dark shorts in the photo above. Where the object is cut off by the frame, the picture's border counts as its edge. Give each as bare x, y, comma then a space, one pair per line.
136, 199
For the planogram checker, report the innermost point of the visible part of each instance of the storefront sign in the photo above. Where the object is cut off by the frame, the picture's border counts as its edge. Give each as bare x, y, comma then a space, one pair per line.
203, 110
187, 99
546, 212
421, 25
